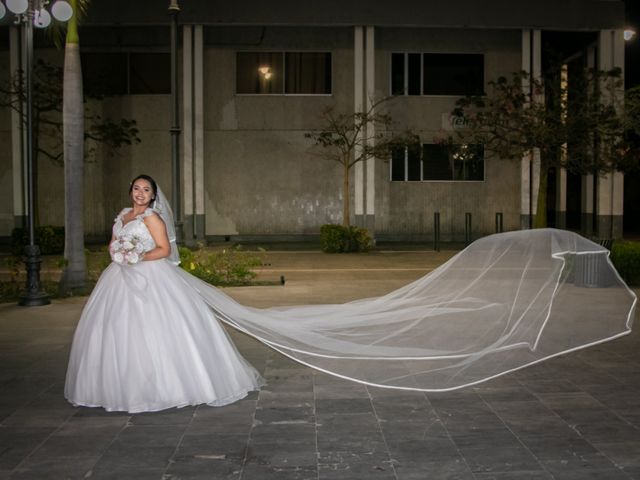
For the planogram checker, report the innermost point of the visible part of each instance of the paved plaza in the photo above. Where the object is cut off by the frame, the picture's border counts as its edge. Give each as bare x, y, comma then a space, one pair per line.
573, 417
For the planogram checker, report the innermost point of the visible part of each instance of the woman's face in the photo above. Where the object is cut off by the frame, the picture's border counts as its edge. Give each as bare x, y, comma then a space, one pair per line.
141, 193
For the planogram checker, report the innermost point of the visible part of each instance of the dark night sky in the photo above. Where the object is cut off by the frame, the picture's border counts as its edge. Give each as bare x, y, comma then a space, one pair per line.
632, 48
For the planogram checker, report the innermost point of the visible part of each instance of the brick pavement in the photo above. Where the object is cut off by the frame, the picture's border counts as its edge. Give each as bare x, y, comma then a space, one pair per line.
573, 417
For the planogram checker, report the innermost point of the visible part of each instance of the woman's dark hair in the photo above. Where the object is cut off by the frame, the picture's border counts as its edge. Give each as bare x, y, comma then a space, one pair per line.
151, 181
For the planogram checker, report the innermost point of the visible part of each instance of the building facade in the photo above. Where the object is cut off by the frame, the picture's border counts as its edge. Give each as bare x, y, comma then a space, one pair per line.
255, 77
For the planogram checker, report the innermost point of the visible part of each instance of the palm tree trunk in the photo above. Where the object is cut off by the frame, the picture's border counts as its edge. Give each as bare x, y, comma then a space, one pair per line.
75, 271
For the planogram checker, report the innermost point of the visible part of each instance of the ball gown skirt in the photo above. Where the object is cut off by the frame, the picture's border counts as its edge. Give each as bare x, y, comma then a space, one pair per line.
146, 341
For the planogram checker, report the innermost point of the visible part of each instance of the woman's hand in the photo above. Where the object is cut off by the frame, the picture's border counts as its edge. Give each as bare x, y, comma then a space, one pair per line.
158, 231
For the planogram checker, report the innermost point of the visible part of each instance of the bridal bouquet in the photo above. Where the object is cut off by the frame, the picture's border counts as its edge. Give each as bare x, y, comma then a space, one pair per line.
127, 250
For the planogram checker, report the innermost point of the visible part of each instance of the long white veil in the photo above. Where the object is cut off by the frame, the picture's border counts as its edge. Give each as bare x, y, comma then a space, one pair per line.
506, 301
162, 207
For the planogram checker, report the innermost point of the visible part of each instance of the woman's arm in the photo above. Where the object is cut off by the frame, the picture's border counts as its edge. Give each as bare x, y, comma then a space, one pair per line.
158, 231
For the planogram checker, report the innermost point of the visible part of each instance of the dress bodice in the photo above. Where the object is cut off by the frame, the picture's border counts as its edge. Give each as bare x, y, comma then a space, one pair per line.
135, 228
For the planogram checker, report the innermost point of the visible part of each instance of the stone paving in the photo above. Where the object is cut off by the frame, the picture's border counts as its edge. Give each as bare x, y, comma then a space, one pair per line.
573, 417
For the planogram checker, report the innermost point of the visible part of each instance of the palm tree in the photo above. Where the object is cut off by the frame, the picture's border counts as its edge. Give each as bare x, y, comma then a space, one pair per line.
74, 274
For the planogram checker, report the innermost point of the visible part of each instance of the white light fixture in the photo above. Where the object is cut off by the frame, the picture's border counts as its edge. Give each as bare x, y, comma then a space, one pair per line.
41, 18
2, 10
629, 33
62, 11
265, 72
17, 6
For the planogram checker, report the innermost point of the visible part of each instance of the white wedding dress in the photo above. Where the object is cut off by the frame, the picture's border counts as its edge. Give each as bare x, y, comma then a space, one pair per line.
146, 341
149, 337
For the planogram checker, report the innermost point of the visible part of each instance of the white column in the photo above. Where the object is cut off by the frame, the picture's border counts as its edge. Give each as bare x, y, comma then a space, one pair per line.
370, 98
187, 131
610, 194
16, 135
536, 73
198, 128
587, 184
561, 173
358, 80
530, 164
561, 198
525, 163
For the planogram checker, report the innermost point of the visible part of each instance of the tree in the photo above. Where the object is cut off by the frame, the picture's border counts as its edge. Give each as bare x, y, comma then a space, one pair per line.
349, 138
47, 100
60, 113
74, 274
577, 124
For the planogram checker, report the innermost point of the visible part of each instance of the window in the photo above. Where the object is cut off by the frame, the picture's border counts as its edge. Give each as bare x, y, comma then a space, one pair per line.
406, 165
464, 163
126, 73
259, 72
303, 73
149, 73
405, 74
437, 74
104, 73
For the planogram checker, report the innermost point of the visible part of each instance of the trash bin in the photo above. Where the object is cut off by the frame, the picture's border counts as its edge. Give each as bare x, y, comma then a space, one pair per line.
592, 270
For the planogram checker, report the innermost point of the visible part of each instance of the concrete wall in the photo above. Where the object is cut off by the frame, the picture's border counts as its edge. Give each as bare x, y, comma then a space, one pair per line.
260, 176
405, 209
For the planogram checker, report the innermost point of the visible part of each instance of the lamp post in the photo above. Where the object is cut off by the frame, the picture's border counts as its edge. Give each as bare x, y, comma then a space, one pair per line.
30, 13
174, 10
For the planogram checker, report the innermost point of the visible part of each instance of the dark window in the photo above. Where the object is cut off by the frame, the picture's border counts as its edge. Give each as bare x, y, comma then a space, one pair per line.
413, 164
278, 72
437, 74
436, 162
398, 165
307, 73
123, 73
462, 163
405, 165
149, 73
397, 73
453, 74
405, 81
104, 73
414, 83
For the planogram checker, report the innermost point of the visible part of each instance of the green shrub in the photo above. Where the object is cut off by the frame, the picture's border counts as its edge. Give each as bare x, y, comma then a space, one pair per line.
338, 239
626, 258
230, 266
50, 239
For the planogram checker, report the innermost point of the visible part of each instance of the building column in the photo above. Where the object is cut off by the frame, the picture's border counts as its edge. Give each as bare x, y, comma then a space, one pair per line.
370, 187
17, 137
561, 198
610, 187
530, 163
358, 95
561, 173
364, 94
586, 205
587, 186
193, 135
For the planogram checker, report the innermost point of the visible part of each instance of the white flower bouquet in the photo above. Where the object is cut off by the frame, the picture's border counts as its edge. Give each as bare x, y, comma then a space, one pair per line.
127, 250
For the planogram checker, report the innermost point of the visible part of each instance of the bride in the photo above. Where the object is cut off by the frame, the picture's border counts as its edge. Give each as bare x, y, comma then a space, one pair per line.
149, 337
146, 341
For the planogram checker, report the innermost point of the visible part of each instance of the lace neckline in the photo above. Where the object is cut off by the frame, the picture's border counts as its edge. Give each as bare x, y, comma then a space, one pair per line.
148, 211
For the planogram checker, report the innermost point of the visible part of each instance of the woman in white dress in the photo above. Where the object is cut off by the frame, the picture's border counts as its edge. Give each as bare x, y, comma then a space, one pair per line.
146, 340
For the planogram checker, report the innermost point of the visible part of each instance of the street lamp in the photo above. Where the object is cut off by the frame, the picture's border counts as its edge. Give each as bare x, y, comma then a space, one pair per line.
29, 14
629, 33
